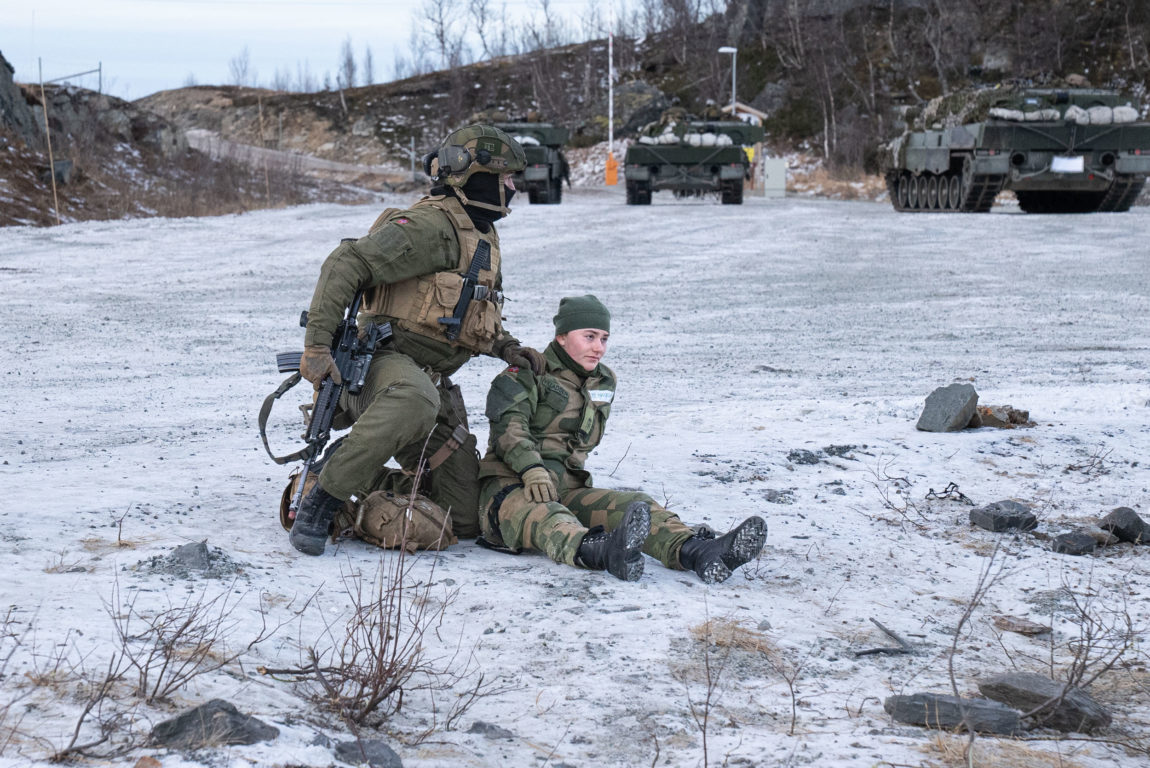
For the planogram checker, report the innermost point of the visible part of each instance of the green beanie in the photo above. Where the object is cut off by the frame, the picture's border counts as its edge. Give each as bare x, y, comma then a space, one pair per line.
577, 312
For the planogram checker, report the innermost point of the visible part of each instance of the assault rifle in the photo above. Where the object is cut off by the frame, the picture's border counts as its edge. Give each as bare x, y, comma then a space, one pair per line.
352, 354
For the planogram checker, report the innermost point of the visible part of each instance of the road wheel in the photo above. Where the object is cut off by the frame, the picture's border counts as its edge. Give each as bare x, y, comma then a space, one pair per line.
943, 193
556, 191
931, 193
955, 192
903, 191
915, 188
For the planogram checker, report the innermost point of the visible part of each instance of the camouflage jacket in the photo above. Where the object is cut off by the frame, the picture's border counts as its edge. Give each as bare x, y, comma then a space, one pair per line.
422, 244
554, 420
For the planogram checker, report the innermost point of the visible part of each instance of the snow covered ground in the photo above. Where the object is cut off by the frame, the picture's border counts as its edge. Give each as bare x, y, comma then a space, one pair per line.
139, 353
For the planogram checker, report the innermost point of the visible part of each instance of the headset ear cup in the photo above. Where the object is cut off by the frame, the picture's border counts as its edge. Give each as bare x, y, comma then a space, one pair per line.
427, 162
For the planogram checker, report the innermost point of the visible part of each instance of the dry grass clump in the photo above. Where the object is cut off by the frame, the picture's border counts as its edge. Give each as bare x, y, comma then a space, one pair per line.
951, 752
731, 633
838, 185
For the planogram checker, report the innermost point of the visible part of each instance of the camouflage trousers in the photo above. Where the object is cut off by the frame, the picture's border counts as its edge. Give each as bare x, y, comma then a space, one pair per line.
556, 528
402, 413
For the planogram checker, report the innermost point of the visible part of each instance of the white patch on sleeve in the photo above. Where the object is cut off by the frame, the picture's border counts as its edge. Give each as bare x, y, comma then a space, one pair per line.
601, 395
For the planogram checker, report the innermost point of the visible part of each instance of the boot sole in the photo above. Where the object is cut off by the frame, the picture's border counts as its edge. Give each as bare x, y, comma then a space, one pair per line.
638, 527
747, 543
309, 545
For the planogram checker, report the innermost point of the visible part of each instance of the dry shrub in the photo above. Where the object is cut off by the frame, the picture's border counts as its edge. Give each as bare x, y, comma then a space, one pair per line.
166, 649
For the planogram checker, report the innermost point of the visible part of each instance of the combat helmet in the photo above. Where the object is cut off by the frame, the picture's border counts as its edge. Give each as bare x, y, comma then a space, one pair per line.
475, 149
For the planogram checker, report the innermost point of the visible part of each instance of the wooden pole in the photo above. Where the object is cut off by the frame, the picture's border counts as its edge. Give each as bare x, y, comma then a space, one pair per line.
48, 135
263, 151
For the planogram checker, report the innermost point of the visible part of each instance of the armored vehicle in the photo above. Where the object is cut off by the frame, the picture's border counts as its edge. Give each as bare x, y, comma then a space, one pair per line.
1061, 150
690, 157
547, 166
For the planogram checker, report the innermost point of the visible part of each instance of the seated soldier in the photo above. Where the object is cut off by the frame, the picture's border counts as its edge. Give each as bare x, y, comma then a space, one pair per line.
535, 493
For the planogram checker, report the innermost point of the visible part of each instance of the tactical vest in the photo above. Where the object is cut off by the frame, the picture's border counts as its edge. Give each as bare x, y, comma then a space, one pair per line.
417, 304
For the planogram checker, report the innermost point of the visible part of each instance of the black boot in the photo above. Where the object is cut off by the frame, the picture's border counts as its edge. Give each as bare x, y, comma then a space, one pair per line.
714, 559
313, 521
619, 552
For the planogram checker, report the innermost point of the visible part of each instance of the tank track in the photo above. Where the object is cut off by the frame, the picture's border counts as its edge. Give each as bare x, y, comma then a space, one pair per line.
981, 193
974, 197
1123, 191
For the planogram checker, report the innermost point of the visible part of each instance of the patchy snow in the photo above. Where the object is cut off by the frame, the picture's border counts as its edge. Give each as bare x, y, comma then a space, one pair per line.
743, 335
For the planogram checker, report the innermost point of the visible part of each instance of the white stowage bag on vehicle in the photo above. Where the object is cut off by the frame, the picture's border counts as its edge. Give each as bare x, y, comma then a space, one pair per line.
1126, 114
723, 140
1076, 114
527, 141
1042, 115
1001, 113
1101, 115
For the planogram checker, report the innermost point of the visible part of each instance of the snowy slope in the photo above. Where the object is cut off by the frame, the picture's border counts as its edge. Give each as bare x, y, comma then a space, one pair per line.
139, 353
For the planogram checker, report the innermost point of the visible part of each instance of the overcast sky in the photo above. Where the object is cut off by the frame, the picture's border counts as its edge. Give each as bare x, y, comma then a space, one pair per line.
146, 46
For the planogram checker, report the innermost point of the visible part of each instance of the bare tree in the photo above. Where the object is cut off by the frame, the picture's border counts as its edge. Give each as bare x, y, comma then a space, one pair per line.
368, 66
305, 81
240, 68
480, 13
442, 16
281, 80
346, 76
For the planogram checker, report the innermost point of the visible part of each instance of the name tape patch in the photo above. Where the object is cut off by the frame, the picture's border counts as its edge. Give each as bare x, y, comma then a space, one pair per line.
601, 395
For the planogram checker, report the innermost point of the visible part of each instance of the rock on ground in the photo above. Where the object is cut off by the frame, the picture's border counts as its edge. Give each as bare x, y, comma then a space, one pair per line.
946, 712
948, 409
1068, 710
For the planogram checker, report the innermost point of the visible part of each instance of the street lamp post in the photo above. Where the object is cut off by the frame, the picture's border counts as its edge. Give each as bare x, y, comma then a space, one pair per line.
734, 53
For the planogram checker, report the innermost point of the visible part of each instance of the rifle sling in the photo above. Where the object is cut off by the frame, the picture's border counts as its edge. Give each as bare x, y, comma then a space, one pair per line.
265, 411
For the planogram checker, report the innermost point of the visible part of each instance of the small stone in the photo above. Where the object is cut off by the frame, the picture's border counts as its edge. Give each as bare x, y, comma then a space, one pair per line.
948, 409
946, 712
1020, 625
776, 496
1002, 417
1074, 543
1068, 709
803, 456
193, 556
213, 724
1125, 523
1004, 515
490, 731
376, 753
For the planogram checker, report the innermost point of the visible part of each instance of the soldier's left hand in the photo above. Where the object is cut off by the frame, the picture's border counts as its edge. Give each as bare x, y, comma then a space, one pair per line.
316, 364
524, 357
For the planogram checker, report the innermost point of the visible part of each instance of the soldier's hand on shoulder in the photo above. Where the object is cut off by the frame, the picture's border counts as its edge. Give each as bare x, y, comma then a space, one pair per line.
524, 357
316, 364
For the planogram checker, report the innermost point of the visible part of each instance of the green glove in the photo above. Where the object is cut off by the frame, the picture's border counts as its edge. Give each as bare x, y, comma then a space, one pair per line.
513, 353
539, 486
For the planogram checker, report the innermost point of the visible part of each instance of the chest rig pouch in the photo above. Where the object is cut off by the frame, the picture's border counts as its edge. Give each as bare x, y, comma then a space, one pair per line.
426, 305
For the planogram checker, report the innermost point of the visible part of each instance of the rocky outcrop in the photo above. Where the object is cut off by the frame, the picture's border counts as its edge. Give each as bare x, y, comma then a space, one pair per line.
14, 112
80, 115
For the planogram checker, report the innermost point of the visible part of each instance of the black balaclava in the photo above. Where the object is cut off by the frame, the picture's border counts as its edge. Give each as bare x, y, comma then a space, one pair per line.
484, 188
